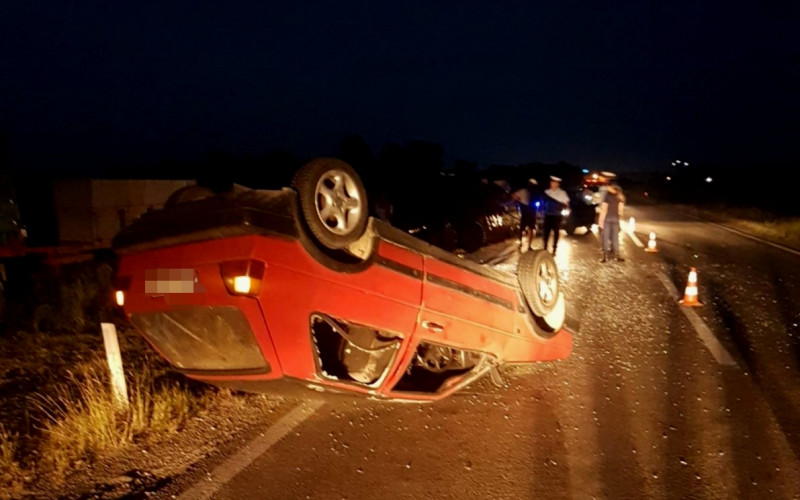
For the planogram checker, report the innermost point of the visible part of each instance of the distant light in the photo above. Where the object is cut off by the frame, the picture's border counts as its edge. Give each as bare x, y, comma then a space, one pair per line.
587, 197
120, 296
669, 178
686, 163
709, 179
677, 161
594, 176
585, 170
537, 204
565, 212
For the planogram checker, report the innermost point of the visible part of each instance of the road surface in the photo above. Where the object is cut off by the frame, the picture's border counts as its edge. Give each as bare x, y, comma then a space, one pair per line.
656, 401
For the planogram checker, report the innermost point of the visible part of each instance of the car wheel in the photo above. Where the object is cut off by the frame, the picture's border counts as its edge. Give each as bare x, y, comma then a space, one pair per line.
333, 201
538, 278
554, 321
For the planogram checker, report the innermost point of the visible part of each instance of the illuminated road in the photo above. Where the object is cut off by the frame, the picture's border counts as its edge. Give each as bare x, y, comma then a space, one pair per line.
655, 402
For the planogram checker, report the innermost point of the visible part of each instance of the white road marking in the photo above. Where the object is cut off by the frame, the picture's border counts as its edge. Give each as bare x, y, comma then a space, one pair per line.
741, 233
633, 236
717, 349
205, 489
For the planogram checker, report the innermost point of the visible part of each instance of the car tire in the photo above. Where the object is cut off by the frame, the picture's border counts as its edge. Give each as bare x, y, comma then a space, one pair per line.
553, 322
333, 202
538, 279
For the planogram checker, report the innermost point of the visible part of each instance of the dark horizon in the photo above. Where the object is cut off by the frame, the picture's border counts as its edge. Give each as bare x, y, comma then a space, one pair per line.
625, 88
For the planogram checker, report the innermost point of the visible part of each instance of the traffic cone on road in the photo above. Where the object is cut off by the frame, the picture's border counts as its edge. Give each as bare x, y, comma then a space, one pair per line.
651, 244
690, 294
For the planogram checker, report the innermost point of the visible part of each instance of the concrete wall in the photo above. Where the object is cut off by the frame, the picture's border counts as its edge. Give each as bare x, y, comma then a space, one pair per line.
93, 211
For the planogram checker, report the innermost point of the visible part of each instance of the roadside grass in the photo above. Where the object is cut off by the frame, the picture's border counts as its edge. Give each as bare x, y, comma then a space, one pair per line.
10, 471
57, 410
786, 231
82, 420
778, 229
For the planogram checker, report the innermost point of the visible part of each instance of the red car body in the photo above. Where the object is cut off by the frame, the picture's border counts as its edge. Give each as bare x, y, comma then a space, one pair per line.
403, 306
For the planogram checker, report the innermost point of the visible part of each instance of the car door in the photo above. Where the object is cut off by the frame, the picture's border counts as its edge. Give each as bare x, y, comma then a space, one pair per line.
463, 309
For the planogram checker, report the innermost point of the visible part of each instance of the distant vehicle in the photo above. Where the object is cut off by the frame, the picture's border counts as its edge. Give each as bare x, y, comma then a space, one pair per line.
483, 216
582, 211
270, 290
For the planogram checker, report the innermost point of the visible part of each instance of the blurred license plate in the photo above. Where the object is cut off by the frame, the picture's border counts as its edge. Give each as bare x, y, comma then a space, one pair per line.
159, 281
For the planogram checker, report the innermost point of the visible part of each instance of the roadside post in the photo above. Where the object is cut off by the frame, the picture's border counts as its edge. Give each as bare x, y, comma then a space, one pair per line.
114, 358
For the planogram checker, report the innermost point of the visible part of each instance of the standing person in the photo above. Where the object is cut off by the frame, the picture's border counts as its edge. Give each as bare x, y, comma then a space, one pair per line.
525, 197
555, 200
610, 215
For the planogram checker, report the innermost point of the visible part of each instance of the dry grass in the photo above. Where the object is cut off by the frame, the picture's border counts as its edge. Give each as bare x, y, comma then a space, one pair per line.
10, 472
783, 230
83, 420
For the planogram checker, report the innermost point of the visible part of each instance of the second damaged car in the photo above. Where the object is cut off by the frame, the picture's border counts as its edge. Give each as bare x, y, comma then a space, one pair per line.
299, 288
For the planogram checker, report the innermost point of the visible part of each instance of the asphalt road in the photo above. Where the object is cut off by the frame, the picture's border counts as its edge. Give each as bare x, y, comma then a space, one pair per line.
653, 402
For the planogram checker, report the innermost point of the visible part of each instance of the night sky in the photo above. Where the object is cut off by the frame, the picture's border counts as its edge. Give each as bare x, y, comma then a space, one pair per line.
598, 84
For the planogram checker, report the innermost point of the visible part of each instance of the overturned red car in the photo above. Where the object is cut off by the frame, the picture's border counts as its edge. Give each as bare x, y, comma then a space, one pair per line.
270, 290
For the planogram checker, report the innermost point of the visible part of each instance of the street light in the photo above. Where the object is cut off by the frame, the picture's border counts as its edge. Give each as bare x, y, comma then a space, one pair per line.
709, 179
669, 178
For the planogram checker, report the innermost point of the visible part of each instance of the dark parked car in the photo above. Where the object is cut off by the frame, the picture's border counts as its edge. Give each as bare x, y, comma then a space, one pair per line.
470, 217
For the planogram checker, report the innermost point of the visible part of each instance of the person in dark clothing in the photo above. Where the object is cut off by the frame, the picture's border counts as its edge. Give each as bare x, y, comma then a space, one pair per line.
555, 201
610, 215
525, 198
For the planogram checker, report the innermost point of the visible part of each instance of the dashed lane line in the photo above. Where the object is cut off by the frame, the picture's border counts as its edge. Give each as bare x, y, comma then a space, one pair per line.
711, 342
632, 235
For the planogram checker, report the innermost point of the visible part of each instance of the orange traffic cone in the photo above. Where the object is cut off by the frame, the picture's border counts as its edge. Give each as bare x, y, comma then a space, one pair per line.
651, 244
690, 295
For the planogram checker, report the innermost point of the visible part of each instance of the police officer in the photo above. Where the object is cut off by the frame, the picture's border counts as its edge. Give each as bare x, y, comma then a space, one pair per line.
555, 201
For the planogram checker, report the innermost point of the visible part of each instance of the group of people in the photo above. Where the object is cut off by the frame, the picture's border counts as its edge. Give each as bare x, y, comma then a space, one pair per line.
556, 203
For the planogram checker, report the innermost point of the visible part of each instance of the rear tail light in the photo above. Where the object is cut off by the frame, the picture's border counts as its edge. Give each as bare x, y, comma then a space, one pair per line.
121, 285
243, 277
